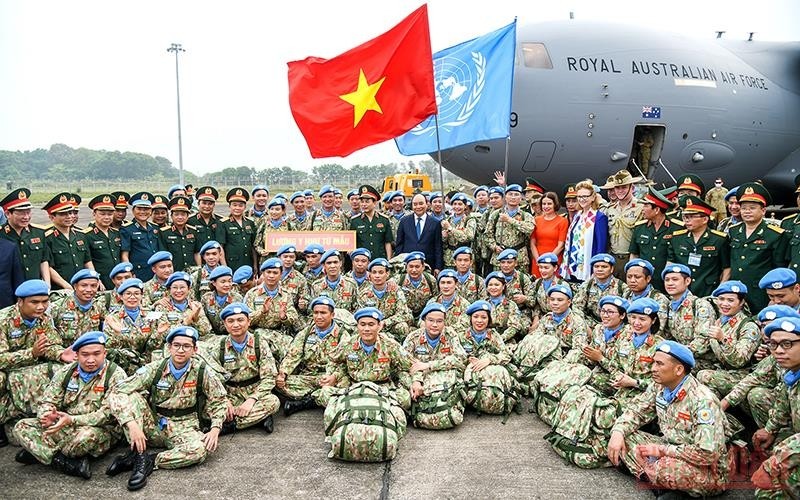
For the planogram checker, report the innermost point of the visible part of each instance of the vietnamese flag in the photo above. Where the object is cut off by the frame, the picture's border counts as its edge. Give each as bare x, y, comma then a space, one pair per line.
369, 94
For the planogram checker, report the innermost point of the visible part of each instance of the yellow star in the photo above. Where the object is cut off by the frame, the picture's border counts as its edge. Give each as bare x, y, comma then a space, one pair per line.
363, 99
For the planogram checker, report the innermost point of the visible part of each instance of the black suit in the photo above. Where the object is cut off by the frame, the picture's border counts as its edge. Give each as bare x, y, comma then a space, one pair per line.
11, 274
429, 242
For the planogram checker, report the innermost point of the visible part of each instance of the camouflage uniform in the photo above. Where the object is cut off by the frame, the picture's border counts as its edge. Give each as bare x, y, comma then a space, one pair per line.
538, 295
337, 221
604, 371
740, 340
307, 358
345, 295
71, 321
693, 427
167, 410
398, 318
418, 295
295, 283
688, 324
521, 283
455, 319
516, 235
252, 376
472, 288
461, 233
264, 226
154, 290
588, 295
277, 331
756, 392
571, 335
200, 281
212, 308
497, 375
635, 362
651, 293
300, 225
134, 346
507, 321
175, 317
782, 466
483, 254
93, 430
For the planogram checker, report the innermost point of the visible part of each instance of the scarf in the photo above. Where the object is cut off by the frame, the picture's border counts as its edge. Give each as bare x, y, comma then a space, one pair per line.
462, 278
272, 293
558, 318
639, 340
432, 342
30, 323
324, 333
415, 283
239, 347
379, 293
83, 308
668, 396
791, 377
333, 284
457, 219
360, 279
275, 223
220, 299
87, 376
478, 336
367, 347
496, 301
133, 314
178, 373
258, 213
448, 302
547, 284
676, 304
610, 333
645, 293
181, 306
300, 217
328, 214
603, 286
512, 213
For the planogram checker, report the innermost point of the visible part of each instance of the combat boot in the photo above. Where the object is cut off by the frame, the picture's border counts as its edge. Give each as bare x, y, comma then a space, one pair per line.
24, 457
268, 424
78, 467
143, 464
3, 437
293, 406
121, 463
228, 427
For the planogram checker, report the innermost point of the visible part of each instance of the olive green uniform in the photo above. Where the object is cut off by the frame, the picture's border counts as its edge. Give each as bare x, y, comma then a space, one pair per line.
652, 245
68, 253
373, 234
105, 249
792, 226
755, 255
206, 231
183, 245
706, 257
32, 248
237, 240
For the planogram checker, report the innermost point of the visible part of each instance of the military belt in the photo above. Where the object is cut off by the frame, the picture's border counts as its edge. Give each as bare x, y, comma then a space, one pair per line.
243, 383
175, 412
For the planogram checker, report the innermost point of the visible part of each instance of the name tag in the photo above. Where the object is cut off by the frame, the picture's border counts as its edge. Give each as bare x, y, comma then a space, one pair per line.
229, 358
259, 301
445, 350
420, 350
99, 389
125, 330
72, 386
468, 348
158, 294
311, 340
211, 312
68, 317
624, 352
163, 385
352, 357
694, 259
172, 317
16, 334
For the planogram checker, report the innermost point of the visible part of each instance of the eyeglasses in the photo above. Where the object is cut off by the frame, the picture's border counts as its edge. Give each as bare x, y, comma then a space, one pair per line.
182, 347
608, 312
583, 197
692, 216
783, 344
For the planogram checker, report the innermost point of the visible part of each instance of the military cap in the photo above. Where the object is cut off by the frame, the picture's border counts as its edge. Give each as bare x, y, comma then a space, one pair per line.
337, 191
141, 199
121, 199
731, 194
548, 258
432, 307
669, 193
326, 189
434, 195
243, 274
614, 300
328, 254
282, 195
180, 204
570, 192
237, 194
89, 338
465, 250
603, 257
677, 351
189, 190
508, 253
84, 274
102, 201
495, 275
730, 286
295, 195
755, 192
387, 196
470, 202
159, 256
323, 300
234, 308
287, 248
219, 272
479, 189
479, 305
159, 201
447, 273
208, 193
777, 311
173, 188
183, 331
513, 187
59, 203
178, 276
781, 277
122, 267
368, 312
314, 248
361, 251
532, 185
459, 197
657, 198
691, 182
209, 245
642, 263
271, 263
367, 191
75, 199
645, 305
397, 194
694, 205
380, 261
130, 283
259, 187
414, 256
277, 202
17, 199
787, 324
565, 289
497, 189
308, 192
351, 193
621, 178
676, 268
32, 288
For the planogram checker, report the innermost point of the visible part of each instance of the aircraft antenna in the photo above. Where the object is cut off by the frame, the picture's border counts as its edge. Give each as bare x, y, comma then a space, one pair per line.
750, 38
719, 34
571, 15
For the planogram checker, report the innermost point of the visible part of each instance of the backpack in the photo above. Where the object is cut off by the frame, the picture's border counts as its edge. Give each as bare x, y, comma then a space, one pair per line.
361, 426
532, 354
491, 390
441, 407
551, 384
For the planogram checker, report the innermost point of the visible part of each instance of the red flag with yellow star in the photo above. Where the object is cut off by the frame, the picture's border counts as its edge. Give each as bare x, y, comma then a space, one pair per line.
369, 94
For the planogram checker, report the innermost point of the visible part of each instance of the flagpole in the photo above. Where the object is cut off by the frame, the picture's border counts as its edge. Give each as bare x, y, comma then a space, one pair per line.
505, 164
439, 154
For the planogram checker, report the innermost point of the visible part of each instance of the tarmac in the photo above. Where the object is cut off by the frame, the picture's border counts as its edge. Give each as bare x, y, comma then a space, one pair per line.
482, 458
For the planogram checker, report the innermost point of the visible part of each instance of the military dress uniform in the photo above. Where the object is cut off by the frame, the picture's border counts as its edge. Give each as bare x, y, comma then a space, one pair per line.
373, 234
707, 257
30, 240
791, 225
69, 252
206, 228
182, 243
237, 238
652, 244
621, 222
141, 243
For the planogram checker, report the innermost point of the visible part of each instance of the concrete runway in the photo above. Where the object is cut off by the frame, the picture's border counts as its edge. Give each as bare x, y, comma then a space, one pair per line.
482, 458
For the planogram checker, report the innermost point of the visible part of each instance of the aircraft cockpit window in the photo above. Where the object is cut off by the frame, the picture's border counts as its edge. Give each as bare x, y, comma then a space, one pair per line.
535, 56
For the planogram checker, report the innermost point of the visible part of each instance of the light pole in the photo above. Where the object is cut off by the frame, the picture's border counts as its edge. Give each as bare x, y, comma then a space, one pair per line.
176, 47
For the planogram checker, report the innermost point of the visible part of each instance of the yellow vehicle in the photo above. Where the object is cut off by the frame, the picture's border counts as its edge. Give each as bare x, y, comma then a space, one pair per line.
408, 184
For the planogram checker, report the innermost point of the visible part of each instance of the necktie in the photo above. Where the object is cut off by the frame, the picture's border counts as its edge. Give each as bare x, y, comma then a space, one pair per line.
419, 226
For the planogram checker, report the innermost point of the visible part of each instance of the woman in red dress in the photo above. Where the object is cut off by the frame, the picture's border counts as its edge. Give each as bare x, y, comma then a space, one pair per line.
550, 232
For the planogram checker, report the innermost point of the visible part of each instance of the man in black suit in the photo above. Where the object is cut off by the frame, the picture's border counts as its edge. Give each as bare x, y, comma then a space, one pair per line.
11, 274
419, 231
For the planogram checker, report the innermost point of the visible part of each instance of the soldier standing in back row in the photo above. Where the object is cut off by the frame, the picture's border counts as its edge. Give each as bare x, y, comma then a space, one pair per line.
510, 227
140, 237
652, 236
622, 215
104, 241
236, 233
28, 237
205, 221
792, 226
179, 238
373, 230
68, 250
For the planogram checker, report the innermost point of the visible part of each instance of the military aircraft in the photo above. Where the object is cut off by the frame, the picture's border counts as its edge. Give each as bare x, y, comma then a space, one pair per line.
589, 98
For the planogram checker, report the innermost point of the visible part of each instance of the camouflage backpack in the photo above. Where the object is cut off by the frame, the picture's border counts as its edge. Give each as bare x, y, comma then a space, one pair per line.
361, 426
491, 390
550, 385
532, 354
441, 407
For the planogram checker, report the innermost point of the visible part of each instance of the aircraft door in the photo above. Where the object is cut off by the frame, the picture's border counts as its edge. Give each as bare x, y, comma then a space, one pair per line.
648, 142
539, 156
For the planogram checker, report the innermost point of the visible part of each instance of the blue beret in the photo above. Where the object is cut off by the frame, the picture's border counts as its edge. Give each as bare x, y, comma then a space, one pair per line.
548, 258
508, 253
209, 245
308, 192
380, 261
314, 248
183, 331
176, 187
777, 311
787, 324
434, 195
243, 274
323, 300
327, 188
159, 257
351, 193
616, 301
32, 288
327, 255
479, 189
397, 194
514, 187
560, 289
287, 248
219, 272
677, 351
644, 264
281, 196
459, 197
179, 276
602, 257
447, 273
130, 282
295, 195
368, 312
496, 189
470, 202
645, 305
84, 274
432, 307
259, 187
276, 202
730, 194
337, 191
479, 305
89, 338
271, 263
122, 267
458, 251
387, 196
414, 256
730, 286
676, 268
496, 275
776, 279
361, 251
235, 308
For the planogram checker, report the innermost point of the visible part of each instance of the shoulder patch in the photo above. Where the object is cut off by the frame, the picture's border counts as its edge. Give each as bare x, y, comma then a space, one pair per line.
639, 223
705, 416
127, 223
777, 229
790, 217
193, 228
676, 222
223, 219
49, 232
680, 232
88, 230
43, 228
719, 233
165, 228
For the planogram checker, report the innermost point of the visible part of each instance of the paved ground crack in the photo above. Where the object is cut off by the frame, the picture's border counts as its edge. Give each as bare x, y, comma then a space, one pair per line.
385, 486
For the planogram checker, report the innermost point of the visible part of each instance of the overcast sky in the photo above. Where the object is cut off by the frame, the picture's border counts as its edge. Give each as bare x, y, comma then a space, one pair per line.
96, 74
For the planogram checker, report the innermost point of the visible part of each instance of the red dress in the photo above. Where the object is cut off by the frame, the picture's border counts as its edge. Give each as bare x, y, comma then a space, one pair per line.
548, 233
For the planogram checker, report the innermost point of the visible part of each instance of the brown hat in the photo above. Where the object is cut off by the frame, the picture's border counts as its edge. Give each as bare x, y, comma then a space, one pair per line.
621, 178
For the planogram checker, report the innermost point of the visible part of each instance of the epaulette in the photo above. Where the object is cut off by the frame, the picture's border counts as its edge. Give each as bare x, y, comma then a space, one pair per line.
680, 232
88, 230
193, 228
164, 228
790, 217
223, 219
43, 228
639, 223
78, 229
113, 229
777, 229
127, 223
677, 222
719, 233
49, 232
